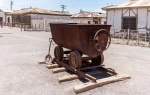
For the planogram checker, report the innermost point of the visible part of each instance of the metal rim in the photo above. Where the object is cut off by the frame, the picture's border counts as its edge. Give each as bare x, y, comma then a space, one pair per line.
98, 60
102, 40
75, 60
59, 53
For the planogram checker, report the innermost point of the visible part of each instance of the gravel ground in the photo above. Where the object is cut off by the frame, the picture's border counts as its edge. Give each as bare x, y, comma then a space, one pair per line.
20, 74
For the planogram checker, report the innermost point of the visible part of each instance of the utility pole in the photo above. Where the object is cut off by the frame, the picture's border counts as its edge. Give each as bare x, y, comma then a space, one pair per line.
63, 8
11, 4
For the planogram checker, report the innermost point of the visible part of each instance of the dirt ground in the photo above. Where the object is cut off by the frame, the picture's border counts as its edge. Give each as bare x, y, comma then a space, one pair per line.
20, 74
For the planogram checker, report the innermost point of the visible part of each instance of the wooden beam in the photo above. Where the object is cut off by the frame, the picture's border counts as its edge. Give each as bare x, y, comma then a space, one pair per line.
114, 19
133, 12
52, 66
100, 82
57, 70
67, 78
137, 19
126, 12
122, 19
42, 62
147, 19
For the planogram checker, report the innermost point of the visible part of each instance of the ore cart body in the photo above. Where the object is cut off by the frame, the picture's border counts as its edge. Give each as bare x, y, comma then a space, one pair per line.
88, 39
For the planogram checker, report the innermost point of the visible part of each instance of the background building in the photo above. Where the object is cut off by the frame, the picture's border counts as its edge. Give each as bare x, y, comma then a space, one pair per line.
95, 17
134, 14
90, 18
38, 18
4, 17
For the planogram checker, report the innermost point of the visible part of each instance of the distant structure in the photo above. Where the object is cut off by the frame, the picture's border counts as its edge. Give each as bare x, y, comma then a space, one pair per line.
84, 12
100, 11
63, 8
3, 17
11, 4
90, 17
37, 18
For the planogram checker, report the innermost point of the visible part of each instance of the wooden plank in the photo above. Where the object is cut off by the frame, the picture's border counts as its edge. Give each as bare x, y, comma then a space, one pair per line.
52, 66
67, 78
100, 82
42, 62
57, 70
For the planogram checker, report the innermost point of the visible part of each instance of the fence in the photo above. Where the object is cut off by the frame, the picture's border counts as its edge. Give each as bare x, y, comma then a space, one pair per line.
33, 27
43, 24
130, 37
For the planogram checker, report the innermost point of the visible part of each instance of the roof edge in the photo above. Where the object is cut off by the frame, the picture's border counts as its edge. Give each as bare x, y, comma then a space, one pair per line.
105, 8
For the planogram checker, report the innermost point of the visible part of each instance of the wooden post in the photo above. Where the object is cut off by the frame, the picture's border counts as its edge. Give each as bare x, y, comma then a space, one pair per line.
138, 38
128, 37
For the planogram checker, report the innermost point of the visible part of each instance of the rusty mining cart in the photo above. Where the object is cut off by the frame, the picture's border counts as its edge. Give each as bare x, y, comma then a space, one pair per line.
80, 48
80, 39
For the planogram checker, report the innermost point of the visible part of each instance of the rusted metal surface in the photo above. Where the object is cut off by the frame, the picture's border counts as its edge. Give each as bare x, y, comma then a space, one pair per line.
75, 60
81, 37
59, 53
98, 60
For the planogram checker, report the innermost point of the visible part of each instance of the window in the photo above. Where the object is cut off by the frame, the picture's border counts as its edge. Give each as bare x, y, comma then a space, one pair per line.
96, 22
129, 23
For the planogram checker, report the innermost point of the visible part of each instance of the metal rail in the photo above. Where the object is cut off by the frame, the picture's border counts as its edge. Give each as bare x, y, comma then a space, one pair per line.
80, 72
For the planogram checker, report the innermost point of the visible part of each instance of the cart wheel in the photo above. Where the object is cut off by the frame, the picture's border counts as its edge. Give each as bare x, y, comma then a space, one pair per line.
98, 60
75, 60
59, 53
102, 40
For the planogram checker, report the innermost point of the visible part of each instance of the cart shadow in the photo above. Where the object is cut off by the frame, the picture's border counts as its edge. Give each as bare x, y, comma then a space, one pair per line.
100, 75
94, 72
